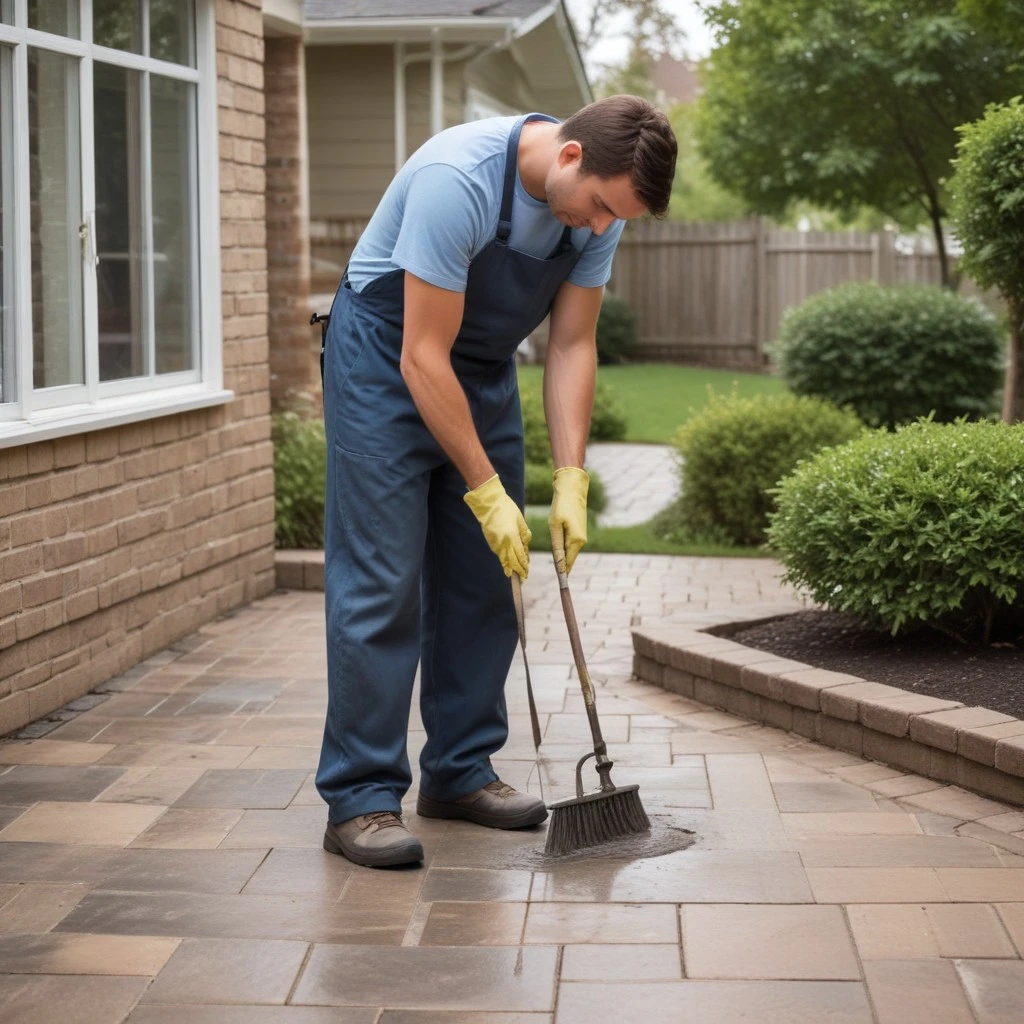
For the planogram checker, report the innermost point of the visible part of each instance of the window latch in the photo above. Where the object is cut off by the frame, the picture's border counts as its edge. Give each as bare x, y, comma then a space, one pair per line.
87, 234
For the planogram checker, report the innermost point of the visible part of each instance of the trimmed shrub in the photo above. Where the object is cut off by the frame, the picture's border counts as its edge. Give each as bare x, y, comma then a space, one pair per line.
540, 488
616, 330
607, 422
921, 526
535, 429
300, 479
893, 354
737, 449
608, 418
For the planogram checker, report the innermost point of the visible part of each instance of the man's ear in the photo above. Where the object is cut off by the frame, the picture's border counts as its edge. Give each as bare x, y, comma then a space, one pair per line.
570, 153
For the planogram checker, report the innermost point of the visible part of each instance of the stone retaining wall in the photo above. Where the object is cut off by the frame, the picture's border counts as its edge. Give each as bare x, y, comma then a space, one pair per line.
972, 747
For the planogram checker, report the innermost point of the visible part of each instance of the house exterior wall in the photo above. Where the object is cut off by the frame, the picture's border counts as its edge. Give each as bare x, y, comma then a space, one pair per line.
351, 91
294, 345
115, 543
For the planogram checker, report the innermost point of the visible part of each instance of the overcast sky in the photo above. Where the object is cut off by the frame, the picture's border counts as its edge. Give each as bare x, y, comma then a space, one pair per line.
613, 48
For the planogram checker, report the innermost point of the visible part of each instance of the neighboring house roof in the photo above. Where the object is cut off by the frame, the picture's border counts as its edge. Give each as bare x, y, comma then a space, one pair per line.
334, 9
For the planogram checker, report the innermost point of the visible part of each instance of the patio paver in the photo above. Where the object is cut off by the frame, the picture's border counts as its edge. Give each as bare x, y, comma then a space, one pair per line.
160, 858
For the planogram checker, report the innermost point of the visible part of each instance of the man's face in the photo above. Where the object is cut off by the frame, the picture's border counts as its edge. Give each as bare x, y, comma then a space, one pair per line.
586, 201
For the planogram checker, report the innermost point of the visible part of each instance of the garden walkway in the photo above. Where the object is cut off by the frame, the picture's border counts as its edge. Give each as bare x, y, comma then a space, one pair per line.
160, 856
640, 480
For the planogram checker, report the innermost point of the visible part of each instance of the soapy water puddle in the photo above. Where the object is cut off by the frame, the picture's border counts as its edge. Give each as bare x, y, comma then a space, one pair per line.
664, 838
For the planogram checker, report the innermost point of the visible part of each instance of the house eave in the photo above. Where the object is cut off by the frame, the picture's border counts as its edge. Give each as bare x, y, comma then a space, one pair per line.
408, 30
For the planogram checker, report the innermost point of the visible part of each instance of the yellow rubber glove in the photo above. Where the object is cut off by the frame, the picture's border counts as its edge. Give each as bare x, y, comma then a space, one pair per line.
568, 517
503, 525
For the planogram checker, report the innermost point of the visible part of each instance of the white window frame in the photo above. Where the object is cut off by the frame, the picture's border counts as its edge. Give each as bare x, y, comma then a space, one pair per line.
37, 415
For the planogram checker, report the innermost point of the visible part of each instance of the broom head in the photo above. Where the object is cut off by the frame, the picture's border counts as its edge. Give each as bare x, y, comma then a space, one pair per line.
595, 818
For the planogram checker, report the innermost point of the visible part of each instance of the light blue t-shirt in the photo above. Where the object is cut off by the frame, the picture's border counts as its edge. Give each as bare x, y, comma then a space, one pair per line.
443, 207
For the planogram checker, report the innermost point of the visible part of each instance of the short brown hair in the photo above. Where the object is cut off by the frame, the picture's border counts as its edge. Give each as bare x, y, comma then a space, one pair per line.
627, 135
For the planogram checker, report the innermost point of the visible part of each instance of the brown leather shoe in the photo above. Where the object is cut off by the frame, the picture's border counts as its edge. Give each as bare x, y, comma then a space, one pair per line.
376, 840
497, 805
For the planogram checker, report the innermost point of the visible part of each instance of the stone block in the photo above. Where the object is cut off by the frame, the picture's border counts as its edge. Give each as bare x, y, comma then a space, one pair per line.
942, 728
764, 678
677, 681
840, 734
979, 742
892, 714
898, 751
844, 701
803, 688
1010, 755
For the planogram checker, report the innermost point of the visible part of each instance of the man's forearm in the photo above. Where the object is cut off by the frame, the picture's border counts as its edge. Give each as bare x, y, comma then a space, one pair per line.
569, 375
442, 404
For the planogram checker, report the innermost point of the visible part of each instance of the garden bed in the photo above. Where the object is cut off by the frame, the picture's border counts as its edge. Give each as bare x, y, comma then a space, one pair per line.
925, 662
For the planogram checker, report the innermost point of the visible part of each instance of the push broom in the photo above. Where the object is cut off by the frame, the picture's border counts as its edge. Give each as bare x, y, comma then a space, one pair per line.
611, 812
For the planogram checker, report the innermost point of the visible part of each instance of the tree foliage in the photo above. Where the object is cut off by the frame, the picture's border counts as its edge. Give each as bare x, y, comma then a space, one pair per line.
846, 102
988, 210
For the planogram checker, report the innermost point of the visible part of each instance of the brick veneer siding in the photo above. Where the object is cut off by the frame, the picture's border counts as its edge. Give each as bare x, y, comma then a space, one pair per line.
115, 543
294, 345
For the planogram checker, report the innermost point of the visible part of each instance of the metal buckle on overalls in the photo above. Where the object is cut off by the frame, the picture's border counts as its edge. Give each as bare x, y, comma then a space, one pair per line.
316, 318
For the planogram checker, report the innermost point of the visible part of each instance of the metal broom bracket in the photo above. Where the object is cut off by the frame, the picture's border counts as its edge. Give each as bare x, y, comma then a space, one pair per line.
604, 770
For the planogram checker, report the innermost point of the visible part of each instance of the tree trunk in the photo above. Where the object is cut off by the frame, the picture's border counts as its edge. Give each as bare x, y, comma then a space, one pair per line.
1013, 393
940, 246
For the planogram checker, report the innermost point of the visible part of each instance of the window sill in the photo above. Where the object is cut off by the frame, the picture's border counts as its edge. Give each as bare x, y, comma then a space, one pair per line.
110, 412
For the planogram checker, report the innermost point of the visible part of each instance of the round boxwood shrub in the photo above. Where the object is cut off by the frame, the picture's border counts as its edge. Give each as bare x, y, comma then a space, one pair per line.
300, 478
616, 330
540, 488
893, 354
921, 526
737, 449
608, 418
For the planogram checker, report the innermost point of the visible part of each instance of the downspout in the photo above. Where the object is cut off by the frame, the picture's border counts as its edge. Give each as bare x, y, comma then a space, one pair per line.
438, 58
400, 132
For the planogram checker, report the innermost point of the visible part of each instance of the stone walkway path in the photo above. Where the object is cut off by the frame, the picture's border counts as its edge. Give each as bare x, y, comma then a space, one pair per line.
640, 479
160, 857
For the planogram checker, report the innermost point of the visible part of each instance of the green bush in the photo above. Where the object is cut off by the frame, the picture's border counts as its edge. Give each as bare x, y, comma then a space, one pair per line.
924, 525
737, 449
608, 418
300, 478
540, 488
893, 354
607, 422
616, 331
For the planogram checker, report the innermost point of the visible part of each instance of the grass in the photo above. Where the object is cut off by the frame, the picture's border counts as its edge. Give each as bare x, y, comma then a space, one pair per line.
635, 540
660, 397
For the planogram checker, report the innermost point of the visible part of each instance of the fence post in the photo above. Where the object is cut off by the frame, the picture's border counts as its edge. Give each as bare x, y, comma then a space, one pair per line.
884, 257
760, 289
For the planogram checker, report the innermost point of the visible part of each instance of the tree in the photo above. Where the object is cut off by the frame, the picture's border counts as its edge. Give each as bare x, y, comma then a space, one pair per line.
1003, 16
846, 103
696, 196
988, 209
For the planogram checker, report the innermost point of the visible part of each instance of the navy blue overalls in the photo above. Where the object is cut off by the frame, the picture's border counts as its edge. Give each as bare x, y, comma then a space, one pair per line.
409, 575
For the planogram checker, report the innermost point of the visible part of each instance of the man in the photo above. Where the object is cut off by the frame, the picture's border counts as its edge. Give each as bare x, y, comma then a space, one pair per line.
488, 227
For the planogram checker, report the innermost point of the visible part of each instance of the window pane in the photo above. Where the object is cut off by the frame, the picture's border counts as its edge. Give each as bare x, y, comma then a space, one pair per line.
8, 384
175, 204
54, 192
172, 31
7, 12
118, 23
119, 241
57, 16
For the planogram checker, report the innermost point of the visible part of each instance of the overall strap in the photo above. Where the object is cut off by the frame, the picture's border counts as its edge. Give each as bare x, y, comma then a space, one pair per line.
511, 167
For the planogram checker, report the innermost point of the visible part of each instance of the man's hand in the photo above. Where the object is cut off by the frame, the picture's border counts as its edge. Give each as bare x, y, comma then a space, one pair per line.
503, 525
568, 517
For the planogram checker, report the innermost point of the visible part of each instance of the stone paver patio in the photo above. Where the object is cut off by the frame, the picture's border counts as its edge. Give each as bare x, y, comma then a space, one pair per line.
160, 856
640, 479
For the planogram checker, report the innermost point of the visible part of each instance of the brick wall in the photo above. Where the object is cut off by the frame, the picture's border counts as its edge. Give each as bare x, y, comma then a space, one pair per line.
115, 543
294, 345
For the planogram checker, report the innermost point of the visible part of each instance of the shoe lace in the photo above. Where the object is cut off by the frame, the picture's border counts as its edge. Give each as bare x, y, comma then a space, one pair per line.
384, 819
499, 788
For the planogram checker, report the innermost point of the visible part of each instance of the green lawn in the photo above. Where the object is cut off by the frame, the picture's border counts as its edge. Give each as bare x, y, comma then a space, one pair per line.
658, 397
633, 540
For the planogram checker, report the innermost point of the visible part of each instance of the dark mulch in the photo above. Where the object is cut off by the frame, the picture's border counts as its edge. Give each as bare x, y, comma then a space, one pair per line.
922, 662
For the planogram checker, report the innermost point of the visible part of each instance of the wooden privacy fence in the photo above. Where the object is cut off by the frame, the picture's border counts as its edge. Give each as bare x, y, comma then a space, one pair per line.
711, 294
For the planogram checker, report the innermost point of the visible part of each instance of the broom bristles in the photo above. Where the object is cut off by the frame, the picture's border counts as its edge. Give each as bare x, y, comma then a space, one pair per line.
598, 818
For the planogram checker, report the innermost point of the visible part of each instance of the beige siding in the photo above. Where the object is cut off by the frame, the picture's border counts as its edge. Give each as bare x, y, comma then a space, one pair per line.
352, 123
115, 543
